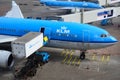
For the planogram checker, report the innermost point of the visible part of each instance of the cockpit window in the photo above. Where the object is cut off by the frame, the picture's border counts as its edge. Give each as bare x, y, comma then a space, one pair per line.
103, 35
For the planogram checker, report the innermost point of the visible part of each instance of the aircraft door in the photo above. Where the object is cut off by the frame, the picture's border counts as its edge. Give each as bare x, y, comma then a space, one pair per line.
46, 31
42, 30
86, 39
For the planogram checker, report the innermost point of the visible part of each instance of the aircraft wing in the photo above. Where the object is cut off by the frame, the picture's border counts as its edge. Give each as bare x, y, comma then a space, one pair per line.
15, 11
6, 38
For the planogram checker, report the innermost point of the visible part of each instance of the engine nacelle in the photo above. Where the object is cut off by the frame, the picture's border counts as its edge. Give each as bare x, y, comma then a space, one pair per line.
6, 59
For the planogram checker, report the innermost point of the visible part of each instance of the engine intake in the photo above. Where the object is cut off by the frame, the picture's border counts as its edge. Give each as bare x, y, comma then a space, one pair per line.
6, 59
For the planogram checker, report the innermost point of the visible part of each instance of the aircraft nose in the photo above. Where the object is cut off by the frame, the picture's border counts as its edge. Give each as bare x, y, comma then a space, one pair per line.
113, 39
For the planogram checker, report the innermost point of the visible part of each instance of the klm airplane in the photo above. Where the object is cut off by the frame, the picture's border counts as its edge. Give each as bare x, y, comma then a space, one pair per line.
70, 4
61, 34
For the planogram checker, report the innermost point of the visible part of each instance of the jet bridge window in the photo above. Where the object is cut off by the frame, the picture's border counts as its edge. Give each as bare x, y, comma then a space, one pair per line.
103, 35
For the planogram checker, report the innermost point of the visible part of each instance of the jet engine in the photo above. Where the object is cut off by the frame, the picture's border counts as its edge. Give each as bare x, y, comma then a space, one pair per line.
6, 59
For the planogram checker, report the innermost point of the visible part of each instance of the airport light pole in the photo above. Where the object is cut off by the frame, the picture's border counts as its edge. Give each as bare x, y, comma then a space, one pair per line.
82, 15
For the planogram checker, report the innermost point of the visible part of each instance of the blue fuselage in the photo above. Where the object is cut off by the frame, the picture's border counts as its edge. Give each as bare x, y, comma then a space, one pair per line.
56, 31
70, 4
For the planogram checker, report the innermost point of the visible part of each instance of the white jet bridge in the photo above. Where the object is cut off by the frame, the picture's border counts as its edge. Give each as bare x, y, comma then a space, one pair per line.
107, 2
94, 15
91, 16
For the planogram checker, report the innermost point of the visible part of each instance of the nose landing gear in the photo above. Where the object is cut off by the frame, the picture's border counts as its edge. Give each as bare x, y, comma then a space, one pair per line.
82, 55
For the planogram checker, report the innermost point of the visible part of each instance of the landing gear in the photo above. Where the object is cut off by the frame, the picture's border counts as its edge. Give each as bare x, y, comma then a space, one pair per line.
82, 55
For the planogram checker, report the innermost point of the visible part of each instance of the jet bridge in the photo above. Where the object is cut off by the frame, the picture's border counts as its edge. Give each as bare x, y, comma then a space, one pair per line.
91, 16
107, 2
26, 45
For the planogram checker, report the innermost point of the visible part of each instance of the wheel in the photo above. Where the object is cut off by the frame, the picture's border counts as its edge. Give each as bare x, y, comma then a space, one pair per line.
82, 56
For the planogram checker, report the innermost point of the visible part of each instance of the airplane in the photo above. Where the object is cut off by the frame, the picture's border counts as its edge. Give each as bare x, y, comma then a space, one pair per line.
66, 35
70, 4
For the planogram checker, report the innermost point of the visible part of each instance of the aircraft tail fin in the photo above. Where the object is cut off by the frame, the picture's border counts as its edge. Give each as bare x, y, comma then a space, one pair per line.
15, 11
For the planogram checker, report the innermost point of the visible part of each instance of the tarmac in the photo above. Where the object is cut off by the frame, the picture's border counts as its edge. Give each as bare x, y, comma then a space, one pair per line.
104, 65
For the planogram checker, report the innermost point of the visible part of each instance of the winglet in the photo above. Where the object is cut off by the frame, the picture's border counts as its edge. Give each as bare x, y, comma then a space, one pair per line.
15, 11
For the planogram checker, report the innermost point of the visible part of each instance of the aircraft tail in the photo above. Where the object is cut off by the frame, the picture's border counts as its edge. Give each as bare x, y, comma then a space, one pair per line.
15, 11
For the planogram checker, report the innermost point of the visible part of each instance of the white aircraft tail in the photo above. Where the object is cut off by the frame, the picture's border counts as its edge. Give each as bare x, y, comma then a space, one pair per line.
15, 11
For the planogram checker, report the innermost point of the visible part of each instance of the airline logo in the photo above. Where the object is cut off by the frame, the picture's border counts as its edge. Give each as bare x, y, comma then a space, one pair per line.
105, 14
63, 29
85, 4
